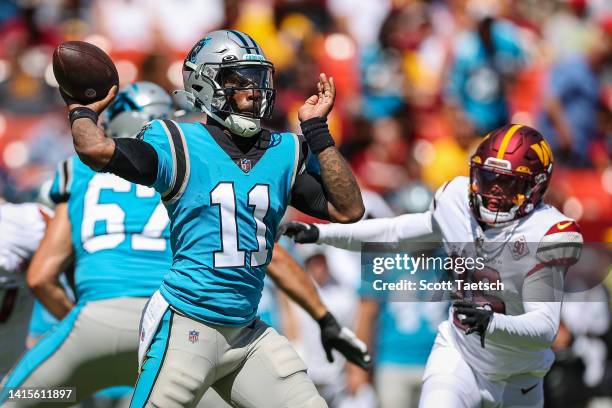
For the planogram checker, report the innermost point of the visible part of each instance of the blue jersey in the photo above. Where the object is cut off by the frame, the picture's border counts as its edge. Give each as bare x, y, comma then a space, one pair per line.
120, 233
406, 329
224, 217
476, 78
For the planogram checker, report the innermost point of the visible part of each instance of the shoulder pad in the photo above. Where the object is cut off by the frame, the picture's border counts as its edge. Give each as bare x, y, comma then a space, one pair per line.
563, 227
437, 195
455, 186
561, 244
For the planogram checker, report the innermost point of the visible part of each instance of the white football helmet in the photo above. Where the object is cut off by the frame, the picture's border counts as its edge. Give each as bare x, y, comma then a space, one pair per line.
136, 105
220, 64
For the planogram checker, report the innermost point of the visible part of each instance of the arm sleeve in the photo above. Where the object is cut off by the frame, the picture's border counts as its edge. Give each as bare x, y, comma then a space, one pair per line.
403, 228
308, 195
133, 160
147, 159
542, 294
62, 181
305, 157
535, 329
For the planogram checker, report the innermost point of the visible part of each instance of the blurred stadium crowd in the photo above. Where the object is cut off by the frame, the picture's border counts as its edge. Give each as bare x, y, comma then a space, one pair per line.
419, 83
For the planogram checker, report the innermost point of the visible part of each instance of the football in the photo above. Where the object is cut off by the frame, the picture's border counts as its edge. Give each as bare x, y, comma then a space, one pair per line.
83, 71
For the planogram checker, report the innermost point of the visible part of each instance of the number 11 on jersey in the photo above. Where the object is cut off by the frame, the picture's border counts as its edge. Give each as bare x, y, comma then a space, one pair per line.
224, 196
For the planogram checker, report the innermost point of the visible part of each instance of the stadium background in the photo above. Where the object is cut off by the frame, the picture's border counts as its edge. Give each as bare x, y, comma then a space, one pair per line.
419, 82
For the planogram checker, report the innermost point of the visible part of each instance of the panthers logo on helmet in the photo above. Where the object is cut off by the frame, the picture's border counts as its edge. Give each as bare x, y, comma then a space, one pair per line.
222, 65
191, 57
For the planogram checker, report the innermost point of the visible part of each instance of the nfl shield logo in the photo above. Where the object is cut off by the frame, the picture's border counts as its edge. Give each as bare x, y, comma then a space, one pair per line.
245, 165
193, 335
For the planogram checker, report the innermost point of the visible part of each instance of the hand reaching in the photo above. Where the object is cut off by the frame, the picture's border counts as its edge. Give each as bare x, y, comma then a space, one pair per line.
321, 104
300, 232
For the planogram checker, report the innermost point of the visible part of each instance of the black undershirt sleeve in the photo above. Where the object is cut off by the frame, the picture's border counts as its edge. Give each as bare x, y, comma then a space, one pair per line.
304, 154
133, 160
308, 195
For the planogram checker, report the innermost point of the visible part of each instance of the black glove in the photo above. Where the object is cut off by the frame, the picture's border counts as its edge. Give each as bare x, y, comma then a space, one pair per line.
475, 317
344, 340
300, 232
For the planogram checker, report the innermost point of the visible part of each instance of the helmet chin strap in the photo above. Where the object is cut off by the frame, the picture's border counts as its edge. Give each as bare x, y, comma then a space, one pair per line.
237, 124
241, 126
497, 218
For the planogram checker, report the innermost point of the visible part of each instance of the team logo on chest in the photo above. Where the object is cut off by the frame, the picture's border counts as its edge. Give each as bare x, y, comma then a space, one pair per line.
194, 335
245, 164
519, 248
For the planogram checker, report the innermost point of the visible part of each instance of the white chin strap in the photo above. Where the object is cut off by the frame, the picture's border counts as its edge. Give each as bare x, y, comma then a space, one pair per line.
241, 126
237, 124
496, 217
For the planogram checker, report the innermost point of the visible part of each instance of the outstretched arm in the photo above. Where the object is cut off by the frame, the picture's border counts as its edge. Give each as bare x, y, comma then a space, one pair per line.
52, 257
341, 190
292, 279
398, 229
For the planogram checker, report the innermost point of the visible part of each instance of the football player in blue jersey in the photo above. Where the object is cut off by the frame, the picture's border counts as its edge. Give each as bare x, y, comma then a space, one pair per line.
226, 185
118, 234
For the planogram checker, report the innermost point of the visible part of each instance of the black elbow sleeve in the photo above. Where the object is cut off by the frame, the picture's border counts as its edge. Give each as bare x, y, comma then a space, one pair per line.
134, 160
309, 196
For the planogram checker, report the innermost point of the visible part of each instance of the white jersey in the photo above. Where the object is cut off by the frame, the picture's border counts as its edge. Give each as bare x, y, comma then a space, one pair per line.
517, 254
527, 255
22, 226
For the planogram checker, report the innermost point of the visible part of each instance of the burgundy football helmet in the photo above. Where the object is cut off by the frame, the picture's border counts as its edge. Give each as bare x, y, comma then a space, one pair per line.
509, 174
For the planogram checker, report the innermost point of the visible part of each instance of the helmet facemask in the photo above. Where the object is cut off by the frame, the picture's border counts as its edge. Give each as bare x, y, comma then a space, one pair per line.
253, 83
499, 195
237, 95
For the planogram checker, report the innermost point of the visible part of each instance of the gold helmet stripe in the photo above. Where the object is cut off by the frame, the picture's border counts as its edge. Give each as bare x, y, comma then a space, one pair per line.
506, 140
547, 149
543, 151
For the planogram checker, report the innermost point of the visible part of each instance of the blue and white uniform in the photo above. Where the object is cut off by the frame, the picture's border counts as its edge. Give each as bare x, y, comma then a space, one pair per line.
120, 236
223, 220
201, 326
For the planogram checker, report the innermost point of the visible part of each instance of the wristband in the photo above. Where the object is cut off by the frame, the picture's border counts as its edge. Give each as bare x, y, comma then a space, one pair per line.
82, 112
317, 134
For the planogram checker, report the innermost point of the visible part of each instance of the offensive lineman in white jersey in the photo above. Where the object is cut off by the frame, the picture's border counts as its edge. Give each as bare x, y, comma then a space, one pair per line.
496, 213
21, 228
